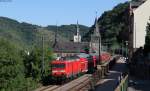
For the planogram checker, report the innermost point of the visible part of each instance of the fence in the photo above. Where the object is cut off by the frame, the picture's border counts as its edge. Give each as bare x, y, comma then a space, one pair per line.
123, 86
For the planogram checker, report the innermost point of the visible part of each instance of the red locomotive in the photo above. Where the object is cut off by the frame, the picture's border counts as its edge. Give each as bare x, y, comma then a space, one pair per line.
72, 66
69, 66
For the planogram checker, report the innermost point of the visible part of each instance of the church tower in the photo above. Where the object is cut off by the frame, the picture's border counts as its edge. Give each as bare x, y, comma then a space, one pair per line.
95, 45
77, 37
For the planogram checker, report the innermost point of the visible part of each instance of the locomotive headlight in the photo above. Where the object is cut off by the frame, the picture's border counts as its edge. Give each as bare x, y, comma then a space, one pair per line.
54, 71
62, 71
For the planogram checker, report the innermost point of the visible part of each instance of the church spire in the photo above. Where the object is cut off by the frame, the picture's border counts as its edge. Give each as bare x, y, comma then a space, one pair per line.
97, 32
96, 38
78, 29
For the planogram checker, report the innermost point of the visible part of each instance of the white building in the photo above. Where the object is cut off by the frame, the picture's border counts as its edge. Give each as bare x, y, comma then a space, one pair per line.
141, 15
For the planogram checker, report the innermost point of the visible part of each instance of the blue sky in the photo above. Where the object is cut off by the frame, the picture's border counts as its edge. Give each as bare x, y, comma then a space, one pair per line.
47, 12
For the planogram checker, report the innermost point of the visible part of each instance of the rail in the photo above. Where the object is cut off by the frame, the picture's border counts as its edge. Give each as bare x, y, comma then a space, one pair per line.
75, 84
47, 88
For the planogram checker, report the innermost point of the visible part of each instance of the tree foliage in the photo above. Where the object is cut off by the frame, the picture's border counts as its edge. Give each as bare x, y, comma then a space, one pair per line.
113, 24
25, 34
68, 31
11, 66
20, 71
147, 40
33, 62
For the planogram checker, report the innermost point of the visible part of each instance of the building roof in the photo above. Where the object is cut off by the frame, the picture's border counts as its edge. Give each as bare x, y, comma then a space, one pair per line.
69, 47
137, 3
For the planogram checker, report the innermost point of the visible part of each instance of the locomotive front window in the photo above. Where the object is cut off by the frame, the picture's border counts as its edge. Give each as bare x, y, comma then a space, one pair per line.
58, 65
70, 58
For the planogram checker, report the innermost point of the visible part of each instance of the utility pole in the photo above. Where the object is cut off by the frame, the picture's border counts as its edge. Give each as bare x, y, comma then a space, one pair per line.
122, 48
43, 62
56, 33
55, 36
126, 49
99, 49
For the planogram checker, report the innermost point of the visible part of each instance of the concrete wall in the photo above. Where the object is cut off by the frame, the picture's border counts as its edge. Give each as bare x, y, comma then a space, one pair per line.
141, 17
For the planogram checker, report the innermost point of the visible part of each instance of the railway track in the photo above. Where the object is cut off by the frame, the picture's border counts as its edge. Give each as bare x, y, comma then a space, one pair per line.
76, 84
47, 88
71, 86
84, 85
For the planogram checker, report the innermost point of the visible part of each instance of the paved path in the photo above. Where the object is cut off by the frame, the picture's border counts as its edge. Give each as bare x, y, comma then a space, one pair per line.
109, 83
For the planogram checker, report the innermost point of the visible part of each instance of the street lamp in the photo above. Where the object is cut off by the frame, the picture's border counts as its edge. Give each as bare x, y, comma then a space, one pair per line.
99, 48
126, 49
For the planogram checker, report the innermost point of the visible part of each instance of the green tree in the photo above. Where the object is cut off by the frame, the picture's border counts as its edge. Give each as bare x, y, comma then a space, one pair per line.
33, 63
147, 39
11, 66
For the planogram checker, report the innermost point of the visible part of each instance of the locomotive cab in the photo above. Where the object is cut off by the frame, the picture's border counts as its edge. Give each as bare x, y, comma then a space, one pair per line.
58, 69
69, 67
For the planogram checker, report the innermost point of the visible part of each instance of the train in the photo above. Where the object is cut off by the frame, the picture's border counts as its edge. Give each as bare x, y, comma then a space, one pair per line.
74, 66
